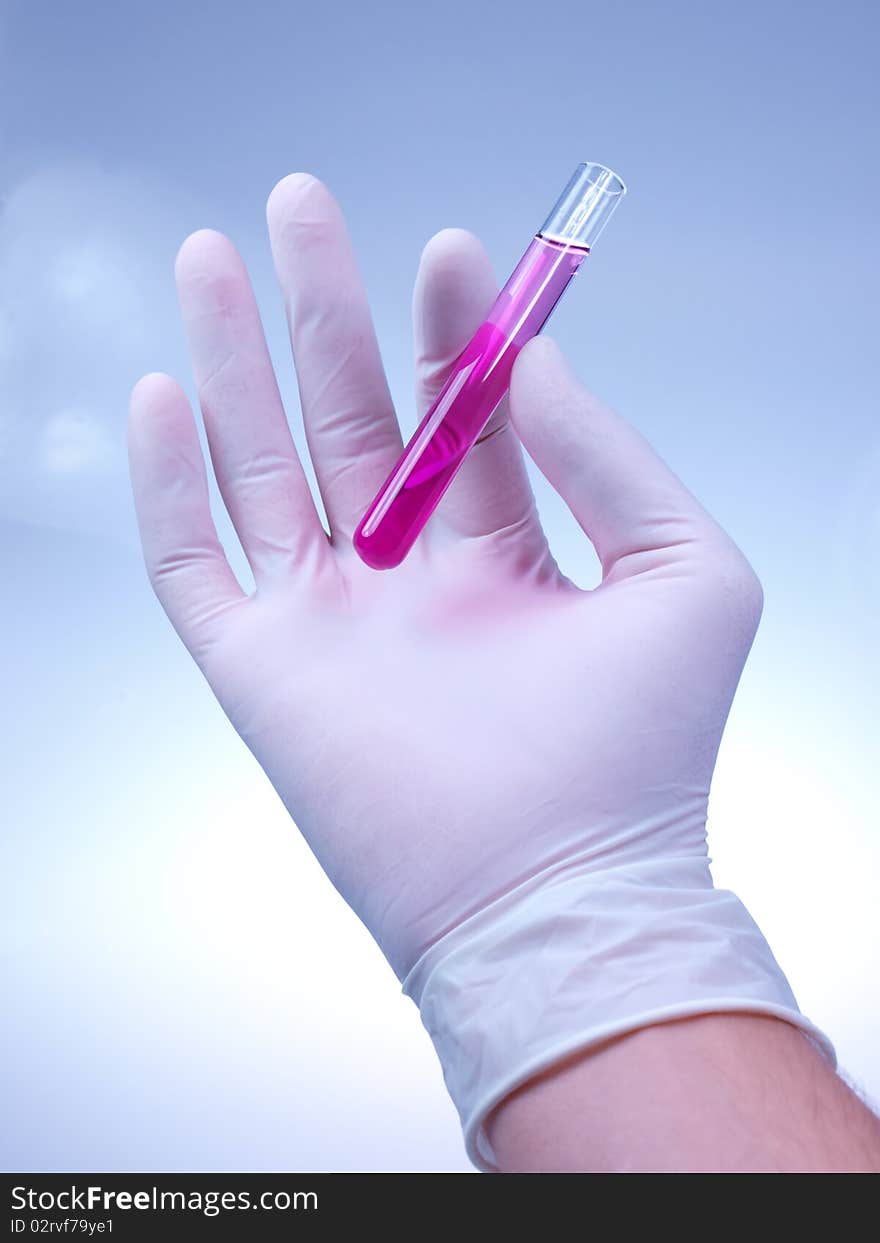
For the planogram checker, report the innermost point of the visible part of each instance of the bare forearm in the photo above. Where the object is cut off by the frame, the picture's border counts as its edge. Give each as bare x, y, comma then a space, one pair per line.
726, 1092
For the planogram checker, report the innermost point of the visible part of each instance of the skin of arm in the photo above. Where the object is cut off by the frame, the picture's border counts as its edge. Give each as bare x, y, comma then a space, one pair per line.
724, 1093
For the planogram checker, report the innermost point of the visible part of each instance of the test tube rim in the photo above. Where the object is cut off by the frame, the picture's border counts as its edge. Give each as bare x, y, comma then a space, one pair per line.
603, 168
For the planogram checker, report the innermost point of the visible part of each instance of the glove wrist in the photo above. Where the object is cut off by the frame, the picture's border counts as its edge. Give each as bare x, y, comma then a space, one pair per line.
573, 958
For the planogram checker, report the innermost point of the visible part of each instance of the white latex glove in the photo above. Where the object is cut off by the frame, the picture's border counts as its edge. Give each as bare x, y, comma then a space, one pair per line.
505, 776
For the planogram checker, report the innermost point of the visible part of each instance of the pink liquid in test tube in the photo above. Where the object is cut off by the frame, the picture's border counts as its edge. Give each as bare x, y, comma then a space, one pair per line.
481, 374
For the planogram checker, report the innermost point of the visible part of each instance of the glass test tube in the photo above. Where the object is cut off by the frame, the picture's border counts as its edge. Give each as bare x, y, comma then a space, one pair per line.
481, 375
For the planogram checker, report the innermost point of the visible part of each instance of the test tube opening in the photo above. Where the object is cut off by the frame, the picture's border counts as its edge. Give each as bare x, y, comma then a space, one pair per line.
585, 206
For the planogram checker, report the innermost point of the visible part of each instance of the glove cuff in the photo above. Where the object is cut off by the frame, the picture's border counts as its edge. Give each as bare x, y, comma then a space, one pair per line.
569, 959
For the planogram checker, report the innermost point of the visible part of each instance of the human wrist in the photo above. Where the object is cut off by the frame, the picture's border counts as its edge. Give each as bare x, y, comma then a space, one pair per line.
719, 1093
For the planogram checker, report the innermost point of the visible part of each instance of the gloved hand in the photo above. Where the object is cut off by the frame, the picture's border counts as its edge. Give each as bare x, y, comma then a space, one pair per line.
505, 776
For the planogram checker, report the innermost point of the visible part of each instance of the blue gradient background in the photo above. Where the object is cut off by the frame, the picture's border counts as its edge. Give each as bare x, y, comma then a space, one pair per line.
184, 990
